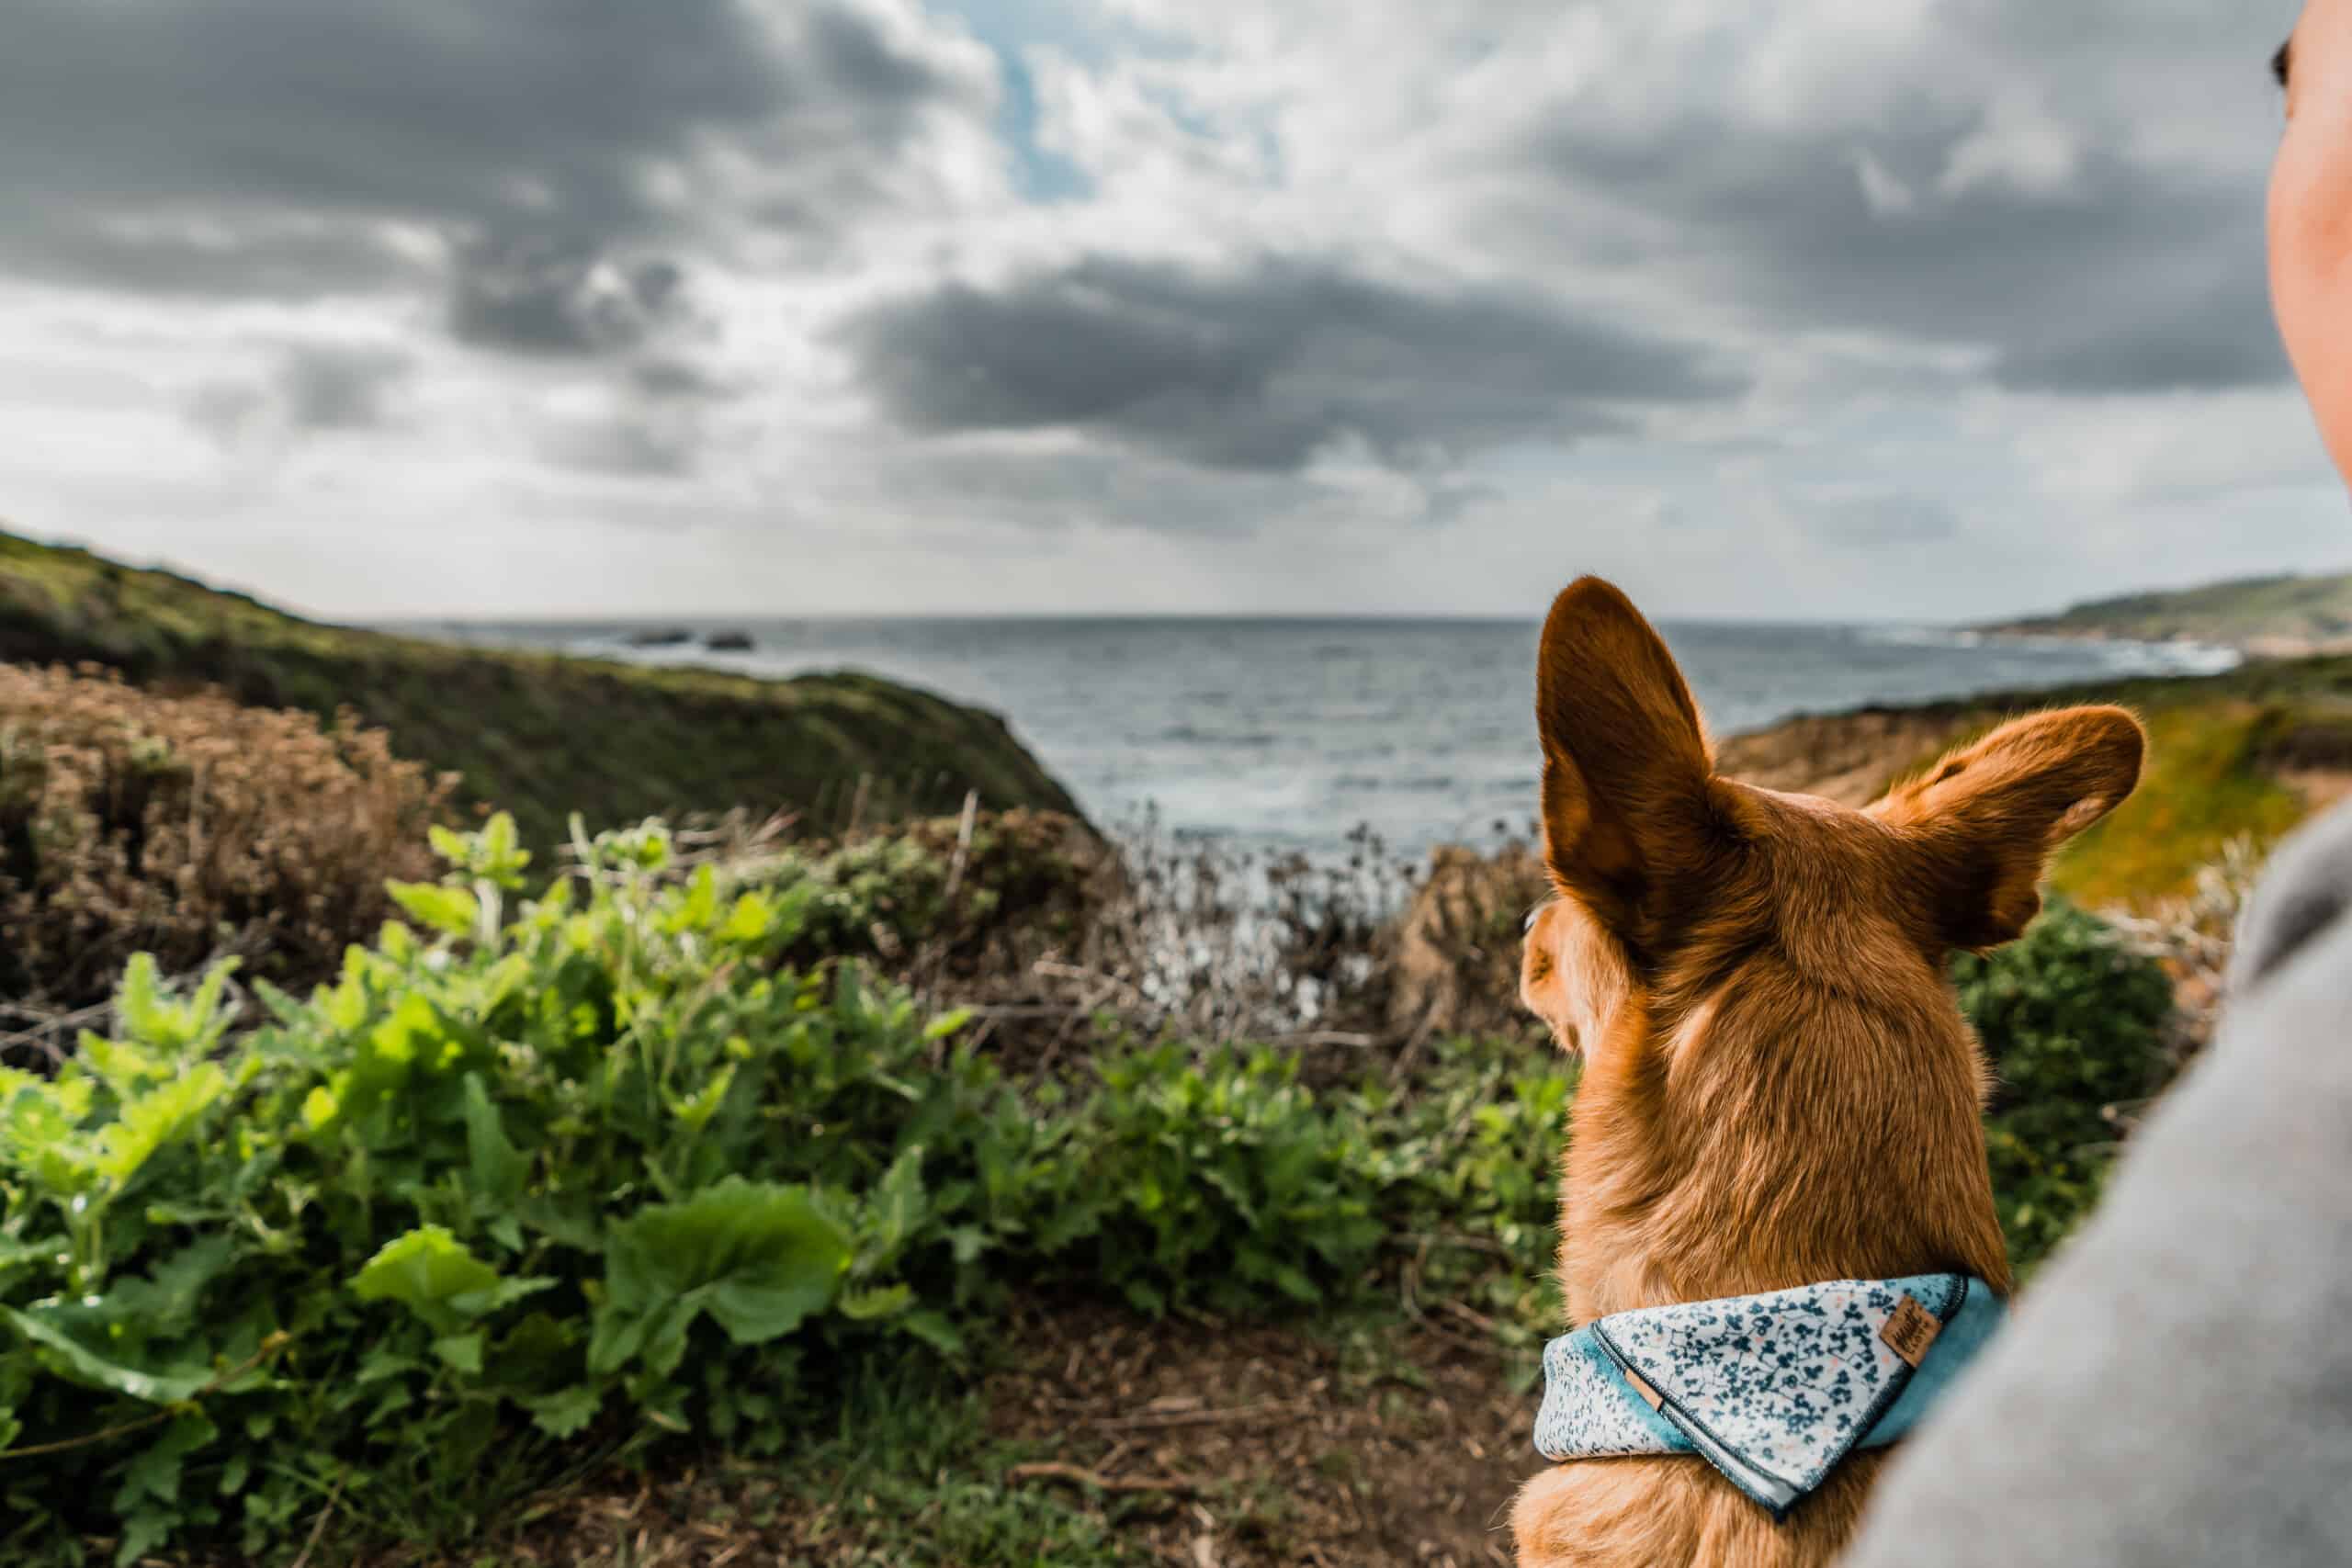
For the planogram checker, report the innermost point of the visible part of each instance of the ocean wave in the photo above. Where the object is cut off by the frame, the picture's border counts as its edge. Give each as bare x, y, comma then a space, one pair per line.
2114, 655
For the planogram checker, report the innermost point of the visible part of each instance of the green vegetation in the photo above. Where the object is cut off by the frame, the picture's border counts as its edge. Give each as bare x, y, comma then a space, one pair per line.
539, 1183
2253, 610
2215, 774
537, 734
2071, 1017
920, 1477
2237, 756
2211, 778
592, 1169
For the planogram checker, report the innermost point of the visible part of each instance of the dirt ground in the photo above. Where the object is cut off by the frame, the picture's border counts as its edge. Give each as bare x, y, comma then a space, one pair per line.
1286, 1447
1198, 1444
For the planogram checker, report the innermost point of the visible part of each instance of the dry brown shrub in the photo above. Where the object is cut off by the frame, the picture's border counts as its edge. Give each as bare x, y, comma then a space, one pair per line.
191, 828
1451, 956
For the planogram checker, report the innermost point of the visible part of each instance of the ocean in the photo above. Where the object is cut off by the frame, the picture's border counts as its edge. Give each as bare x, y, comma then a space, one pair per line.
1284, 735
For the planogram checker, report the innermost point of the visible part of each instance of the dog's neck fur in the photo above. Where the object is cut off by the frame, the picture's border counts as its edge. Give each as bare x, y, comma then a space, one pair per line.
1670, 1195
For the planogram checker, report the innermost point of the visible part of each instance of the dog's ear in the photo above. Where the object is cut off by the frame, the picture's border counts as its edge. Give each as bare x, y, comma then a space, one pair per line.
1983, 822
1630, 821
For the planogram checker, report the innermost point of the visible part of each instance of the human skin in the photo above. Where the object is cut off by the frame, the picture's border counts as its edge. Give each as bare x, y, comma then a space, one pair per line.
2309, 220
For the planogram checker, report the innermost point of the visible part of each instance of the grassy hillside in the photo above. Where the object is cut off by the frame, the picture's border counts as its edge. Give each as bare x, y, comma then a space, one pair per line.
2246, 753
537, 734
2274, 613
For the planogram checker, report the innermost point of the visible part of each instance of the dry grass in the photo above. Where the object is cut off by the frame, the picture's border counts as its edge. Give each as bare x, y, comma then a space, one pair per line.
190, 827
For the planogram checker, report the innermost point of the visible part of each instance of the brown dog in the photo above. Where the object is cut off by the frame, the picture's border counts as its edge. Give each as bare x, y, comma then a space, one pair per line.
1779, 1088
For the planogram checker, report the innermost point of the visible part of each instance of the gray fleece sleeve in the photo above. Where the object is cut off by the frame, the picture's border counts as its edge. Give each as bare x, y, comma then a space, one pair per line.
2175, 1387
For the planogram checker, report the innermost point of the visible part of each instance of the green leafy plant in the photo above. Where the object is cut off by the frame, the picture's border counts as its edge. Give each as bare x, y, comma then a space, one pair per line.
594, 1166
2072, 1016
538, 1180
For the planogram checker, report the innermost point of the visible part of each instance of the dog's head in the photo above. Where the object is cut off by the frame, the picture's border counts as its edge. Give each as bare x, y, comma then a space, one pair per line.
1675, 882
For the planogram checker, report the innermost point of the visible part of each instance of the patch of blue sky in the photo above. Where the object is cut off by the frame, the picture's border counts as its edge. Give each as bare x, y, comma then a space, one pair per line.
1010, 28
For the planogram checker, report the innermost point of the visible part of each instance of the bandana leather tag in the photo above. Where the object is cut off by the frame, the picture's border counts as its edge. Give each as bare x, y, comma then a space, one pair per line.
1911, 1330
1772, 1389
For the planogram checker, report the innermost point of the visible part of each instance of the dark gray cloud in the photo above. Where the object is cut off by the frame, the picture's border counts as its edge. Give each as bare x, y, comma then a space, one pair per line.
2076, 188
311, 387
633, 443
1069, 489
666, 380
273, 147
334, 388
664, 414
540, 300
2132, 277
1257, 368
228, 411
2160, 328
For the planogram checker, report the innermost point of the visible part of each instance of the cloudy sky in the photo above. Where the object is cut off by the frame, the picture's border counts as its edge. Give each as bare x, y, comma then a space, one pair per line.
1912, 308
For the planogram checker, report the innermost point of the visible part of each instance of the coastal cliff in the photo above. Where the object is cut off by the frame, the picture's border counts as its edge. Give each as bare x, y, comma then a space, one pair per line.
2264, 617
537, 735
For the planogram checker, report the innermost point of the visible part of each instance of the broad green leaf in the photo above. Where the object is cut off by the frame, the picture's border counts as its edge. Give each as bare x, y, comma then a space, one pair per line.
120, 1064
896, 1209
425, 1270
450, 909
697, 1110
749, 920
347, 1003
1294, 1283
538, 1353
461, 1352
144, 1528
865, 1306
758, 1258
381, 1364
166, 1302
451, 846
138, 1001
505, 1293
503, 856
562, 1415
88, 1366
155, 1472
397, 942
695, 912
154, 1118
498, 1169
932, 1329
205, 1019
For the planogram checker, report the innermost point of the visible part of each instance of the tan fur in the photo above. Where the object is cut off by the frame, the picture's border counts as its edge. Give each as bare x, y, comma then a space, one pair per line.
1779, 1087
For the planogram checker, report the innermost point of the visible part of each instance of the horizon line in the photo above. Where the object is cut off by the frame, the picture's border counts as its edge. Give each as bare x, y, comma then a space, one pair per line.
656, 618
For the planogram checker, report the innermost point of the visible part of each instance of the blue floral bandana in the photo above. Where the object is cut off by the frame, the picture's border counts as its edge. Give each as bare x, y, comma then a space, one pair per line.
1772, 1390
